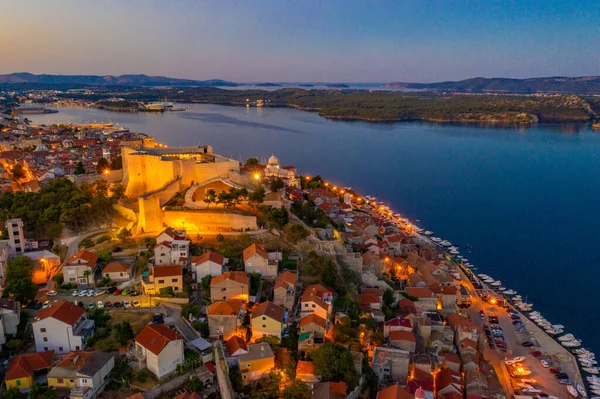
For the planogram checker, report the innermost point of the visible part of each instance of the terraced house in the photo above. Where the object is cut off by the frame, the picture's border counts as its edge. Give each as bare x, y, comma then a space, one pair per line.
160, 277
230, 285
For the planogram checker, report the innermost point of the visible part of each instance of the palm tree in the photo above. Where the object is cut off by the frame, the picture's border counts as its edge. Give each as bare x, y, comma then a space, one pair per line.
86, 274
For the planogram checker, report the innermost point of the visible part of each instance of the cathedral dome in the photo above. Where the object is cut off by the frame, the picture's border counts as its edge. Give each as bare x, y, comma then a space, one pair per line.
420, 393
273, 161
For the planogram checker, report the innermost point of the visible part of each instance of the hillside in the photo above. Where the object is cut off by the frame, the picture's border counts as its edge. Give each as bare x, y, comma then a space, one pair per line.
108, 80
556, 84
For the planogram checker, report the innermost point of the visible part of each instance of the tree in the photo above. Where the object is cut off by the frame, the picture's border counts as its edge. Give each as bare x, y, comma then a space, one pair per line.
18, 172
53, 230
49, 394
80, 168
12, 393
388, 298
195, 385
102, 166
251, 162
276, 184
276, 217
87, 274
205, 283
329, 275
124, 332
235, 376
210, 197
166, 291
296, 390
117, 163
256, 197
35, 390
254, 282
18, 268
23, 290
296, 232
14, 345
204, 329
124, 234
105, 256
334, 362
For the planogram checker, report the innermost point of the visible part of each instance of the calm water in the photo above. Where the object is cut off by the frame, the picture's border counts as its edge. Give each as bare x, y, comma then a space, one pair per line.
522, 205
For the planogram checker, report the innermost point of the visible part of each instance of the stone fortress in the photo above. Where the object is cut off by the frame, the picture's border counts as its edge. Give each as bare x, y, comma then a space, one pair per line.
156, 175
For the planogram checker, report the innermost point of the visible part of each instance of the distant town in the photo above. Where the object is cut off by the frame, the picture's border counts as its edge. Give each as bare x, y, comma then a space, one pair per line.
132, 269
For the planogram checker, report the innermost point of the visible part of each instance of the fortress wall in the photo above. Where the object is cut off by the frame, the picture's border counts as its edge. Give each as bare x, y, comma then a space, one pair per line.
209, 221
190, 171
146, 173
151, 215
127, 213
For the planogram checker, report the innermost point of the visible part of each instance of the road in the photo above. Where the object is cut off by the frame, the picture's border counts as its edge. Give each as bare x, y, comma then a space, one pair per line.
554, 353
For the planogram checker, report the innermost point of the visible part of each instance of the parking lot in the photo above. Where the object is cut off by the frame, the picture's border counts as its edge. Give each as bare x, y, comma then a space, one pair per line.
123, 301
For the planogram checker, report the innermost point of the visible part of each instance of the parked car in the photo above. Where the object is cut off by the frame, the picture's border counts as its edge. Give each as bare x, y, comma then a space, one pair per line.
108, 305
111, 290
134, 293
117, 305
80, 304
125, 291
52, 293
91, 306
482, 315
46, 305
126, 304
117, 292
75, 293
536, 353
545, 363
527, 344
118, 249
561, 376
98, 292
554, 371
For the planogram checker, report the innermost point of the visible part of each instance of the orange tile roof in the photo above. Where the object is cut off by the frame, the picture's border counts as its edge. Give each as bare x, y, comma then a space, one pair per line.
367, 299
225, 308
88, 257
313, 318
167, 271
22, 366
154, 337
443, 289
115, 267
401, 335
75, 359
209, 256
255, 249
269, 309
285, 279
240, 277
235, 343
64, 311
189, 395
467, 342
304, 367
316, 289
394, 392
419, 292
337, 387
136, 396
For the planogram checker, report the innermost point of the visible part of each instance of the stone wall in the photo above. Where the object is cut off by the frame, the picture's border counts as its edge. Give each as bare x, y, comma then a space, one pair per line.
209, 221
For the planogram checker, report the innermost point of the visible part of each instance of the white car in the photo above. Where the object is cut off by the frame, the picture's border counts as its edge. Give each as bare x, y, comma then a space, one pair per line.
52, 293
126, 304
518, 359
100, 305
75, 293
545, 363
46, 305
89, 293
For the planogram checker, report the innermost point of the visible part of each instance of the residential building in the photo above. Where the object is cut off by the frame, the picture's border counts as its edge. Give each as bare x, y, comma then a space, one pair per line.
80, 268
160, 277
313, 323
284, 290
170, 235
85, 373
10, 316
172, 248
448, 382
16, 237
267, 319
258, 361
394, 392
318, 300
224, 318
63, 327
427, 302
23, 368
117, 271
305, 372
236, 345
230, 285
328, 390
257, 260
405, 340
395, 324
391, 365
209, 264
160, 348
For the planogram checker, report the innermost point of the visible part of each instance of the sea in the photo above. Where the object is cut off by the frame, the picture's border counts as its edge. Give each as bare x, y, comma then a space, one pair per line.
522, 204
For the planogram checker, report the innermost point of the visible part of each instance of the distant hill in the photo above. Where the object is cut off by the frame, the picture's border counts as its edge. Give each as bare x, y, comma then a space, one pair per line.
109, 80
554, 84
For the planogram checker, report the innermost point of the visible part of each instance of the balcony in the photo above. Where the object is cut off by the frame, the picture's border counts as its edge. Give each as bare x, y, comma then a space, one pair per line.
79, 392
136, 352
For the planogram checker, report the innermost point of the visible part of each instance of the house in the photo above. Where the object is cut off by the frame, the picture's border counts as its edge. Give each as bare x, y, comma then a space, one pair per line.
267, 319
448, 295
284, 290
258, 361
79, 268
160, 347
448, 381
171, 248
427, 302
203, 347
230, 285
369, 302
236, 345
305, 372
209, 264
85, 373
257, 260
421, 384
170, 235
450, 360
391, 364
396, 324
160, 277
316, 299
117, 271
328, 390
401, 339
63, 327
394, 392
10, 317
23, 368
224, 318
313, 323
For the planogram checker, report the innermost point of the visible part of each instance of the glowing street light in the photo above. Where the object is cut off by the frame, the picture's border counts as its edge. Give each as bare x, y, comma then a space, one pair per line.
256, 176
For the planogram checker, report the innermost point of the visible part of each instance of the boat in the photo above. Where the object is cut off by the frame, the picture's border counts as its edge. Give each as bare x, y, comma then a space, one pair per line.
436, 240
496, 284
591, 370
571, 344
428, 233
566, 337
509, 292
446, 243
572, 391
581, 390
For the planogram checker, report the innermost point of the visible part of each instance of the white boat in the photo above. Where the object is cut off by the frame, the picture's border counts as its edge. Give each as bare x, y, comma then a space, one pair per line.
553, 332
496, 284
591, 370
571, 344
566, 337
435, 239
572, 391
446, 243
428, 233
482, 275
509, 292
581, 390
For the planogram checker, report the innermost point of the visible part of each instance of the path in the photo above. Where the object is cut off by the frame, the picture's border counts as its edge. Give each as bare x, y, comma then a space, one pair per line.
173, 316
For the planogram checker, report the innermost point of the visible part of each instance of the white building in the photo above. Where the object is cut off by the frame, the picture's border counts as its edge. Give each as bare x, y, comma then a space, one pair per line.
63, 327
86, 373
16, 237
208, 264
10, 316
160, 348
171, 248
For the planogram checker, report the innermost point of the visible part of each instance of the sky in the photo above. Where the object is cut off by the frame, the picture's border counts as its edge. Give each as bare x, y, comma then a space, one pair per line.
302, 41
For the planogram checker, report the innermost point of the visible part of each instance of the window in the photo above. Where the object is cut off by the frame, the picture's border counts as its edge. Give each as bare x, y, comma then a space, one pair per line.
161, 281
18, 383
84, 380
45, 339
45, 348
121, 274
314, 306
223, 289
42, 330
264, 318
264, 326
60, 348
60, 380
174, 280
76, 348
175, 288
